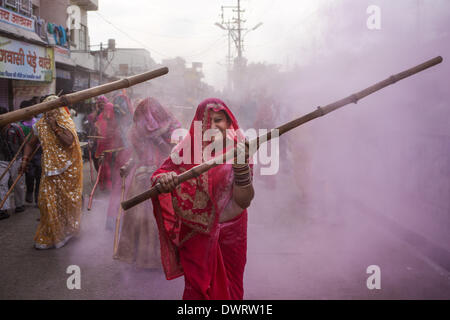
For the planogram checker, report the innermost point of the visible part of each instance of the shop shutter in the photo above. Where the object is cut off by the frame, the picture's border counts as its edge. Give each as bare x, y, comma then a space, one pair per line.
4, 93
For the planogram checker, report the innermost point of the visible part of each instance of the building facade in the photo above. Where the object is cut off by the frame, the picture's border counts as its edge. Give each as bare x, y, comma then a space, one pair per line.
37, 42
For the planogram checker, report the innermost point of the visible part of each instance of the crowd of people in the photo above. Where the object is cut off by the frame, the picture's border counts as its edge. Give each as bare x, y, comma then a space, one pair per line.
196, 228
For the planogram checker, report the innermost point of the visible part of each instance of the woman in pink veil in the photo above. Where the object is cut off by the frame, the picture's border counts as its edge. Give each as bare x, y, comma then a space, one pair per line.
202, 222
149, 137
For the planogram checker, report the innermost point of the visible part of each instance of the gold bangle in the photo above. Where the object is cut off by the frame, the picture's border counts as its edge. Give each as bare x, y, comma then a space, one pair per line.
237, 166
243, 185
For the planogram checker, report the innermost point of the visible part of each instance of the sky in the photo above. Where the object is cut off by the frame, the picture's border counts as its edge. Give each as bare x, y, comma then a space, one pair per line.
174, 28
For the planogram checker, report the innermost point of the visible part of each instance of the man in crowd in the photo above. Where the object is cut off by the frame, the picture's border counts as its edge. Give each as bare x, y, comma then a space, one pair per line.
33, 173
11, 139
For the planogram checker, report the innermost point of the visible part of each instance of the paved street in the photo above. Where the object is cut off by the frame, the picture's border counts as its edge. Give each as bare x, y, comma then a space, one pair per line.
291, 255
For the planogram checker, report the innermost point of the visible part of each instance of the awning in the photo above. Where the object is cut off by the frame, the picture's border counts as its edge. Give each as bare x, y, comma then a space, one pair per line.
21, 33
62, 56
64, 60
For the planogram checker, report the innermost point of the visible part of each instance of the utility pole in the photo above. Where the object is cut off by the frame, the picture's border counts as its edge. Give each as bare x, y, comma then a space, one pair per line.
239, 40
229, 59
238, 64
235, 29
101, 63
110, 48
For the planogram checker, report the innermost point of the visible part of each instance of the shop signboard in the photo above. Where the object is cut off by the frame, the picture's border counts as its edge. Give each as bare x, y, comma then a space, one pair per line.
24, 61
16, 19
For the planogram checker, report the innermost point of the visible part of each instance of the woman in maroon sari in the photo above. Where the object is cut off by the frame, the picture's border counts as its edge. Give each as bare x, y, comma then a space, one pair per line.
110, 143
123, 113
203, 222
150, 142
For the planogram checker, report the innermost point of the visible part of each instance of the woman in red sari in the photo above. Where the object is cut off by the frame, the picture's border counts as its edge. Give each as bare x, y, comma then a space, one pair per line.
111, 141
203, 222
123, 114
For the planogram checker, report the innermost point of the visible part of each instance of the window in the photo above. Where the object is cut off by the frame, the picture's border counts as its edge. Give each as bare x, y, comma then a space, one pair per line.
36, 11
82, 41
13, 4
72, 37
25, 7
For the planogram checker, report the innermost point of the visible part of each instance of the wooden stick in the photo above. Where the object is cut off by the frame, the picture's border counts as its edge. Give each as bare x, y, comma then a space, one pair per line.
72, 98
119, 217
96, 137
321, 111
16, 181
95, 186
15, 157
354, 98
114, 150
91, 165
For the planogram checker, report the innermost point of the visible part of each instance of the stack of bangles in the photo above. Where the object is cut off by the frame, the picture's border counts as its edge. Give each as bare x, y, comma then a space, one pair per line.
242, 177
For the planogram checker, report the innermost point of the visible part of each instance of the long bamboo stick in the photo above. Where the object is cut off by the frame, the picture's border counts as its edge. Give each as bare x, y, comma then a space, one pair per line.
114, 150
15, 157
90, 164
321, 111
91, 196
72, 98
16, 181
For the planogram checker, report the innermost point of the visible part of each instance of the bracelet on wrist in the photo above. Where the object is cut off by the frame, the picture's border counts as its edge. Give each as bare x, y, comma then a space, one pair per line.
244, 183
240, 167
242, 177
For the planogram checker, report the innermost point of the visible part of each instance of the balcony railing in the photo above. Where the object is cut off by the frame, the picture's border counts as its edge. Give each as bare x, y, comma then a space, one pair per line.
24, 7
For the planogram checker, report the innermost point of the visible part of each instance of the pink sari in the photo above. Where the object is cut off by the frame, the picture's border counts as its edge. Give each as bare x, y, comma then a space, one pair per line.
211, 256
138, 240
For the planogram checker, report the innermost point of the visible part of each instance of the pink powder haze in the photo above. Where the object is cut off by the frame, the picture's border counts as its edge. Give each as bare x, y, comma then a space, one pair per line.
366, 185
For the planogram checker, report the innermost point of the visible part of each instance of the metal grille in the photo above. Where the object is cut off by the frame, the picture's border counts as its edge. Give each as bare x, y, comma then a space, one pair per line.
12, 3
25, 7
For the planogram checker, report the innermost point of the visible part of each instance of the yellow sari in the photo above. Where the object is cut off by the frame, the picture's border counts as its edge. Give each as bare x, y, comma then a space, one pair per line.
60, 191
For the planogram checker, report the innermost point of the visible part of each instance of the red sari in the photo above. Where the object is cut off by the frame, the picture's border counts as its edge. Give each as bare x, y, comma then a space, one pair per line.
210, 255
107, 128
123, 114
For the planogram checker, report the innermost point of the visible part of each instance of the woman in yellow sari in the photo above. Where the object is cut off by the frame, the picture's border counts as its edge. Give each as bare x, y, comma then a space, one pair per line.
61, 184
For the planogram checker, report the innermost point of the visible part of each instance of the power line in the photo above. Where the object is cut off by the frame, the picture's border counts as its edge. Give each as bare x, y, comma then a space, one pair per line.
202, 51
208, 48
132, 38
